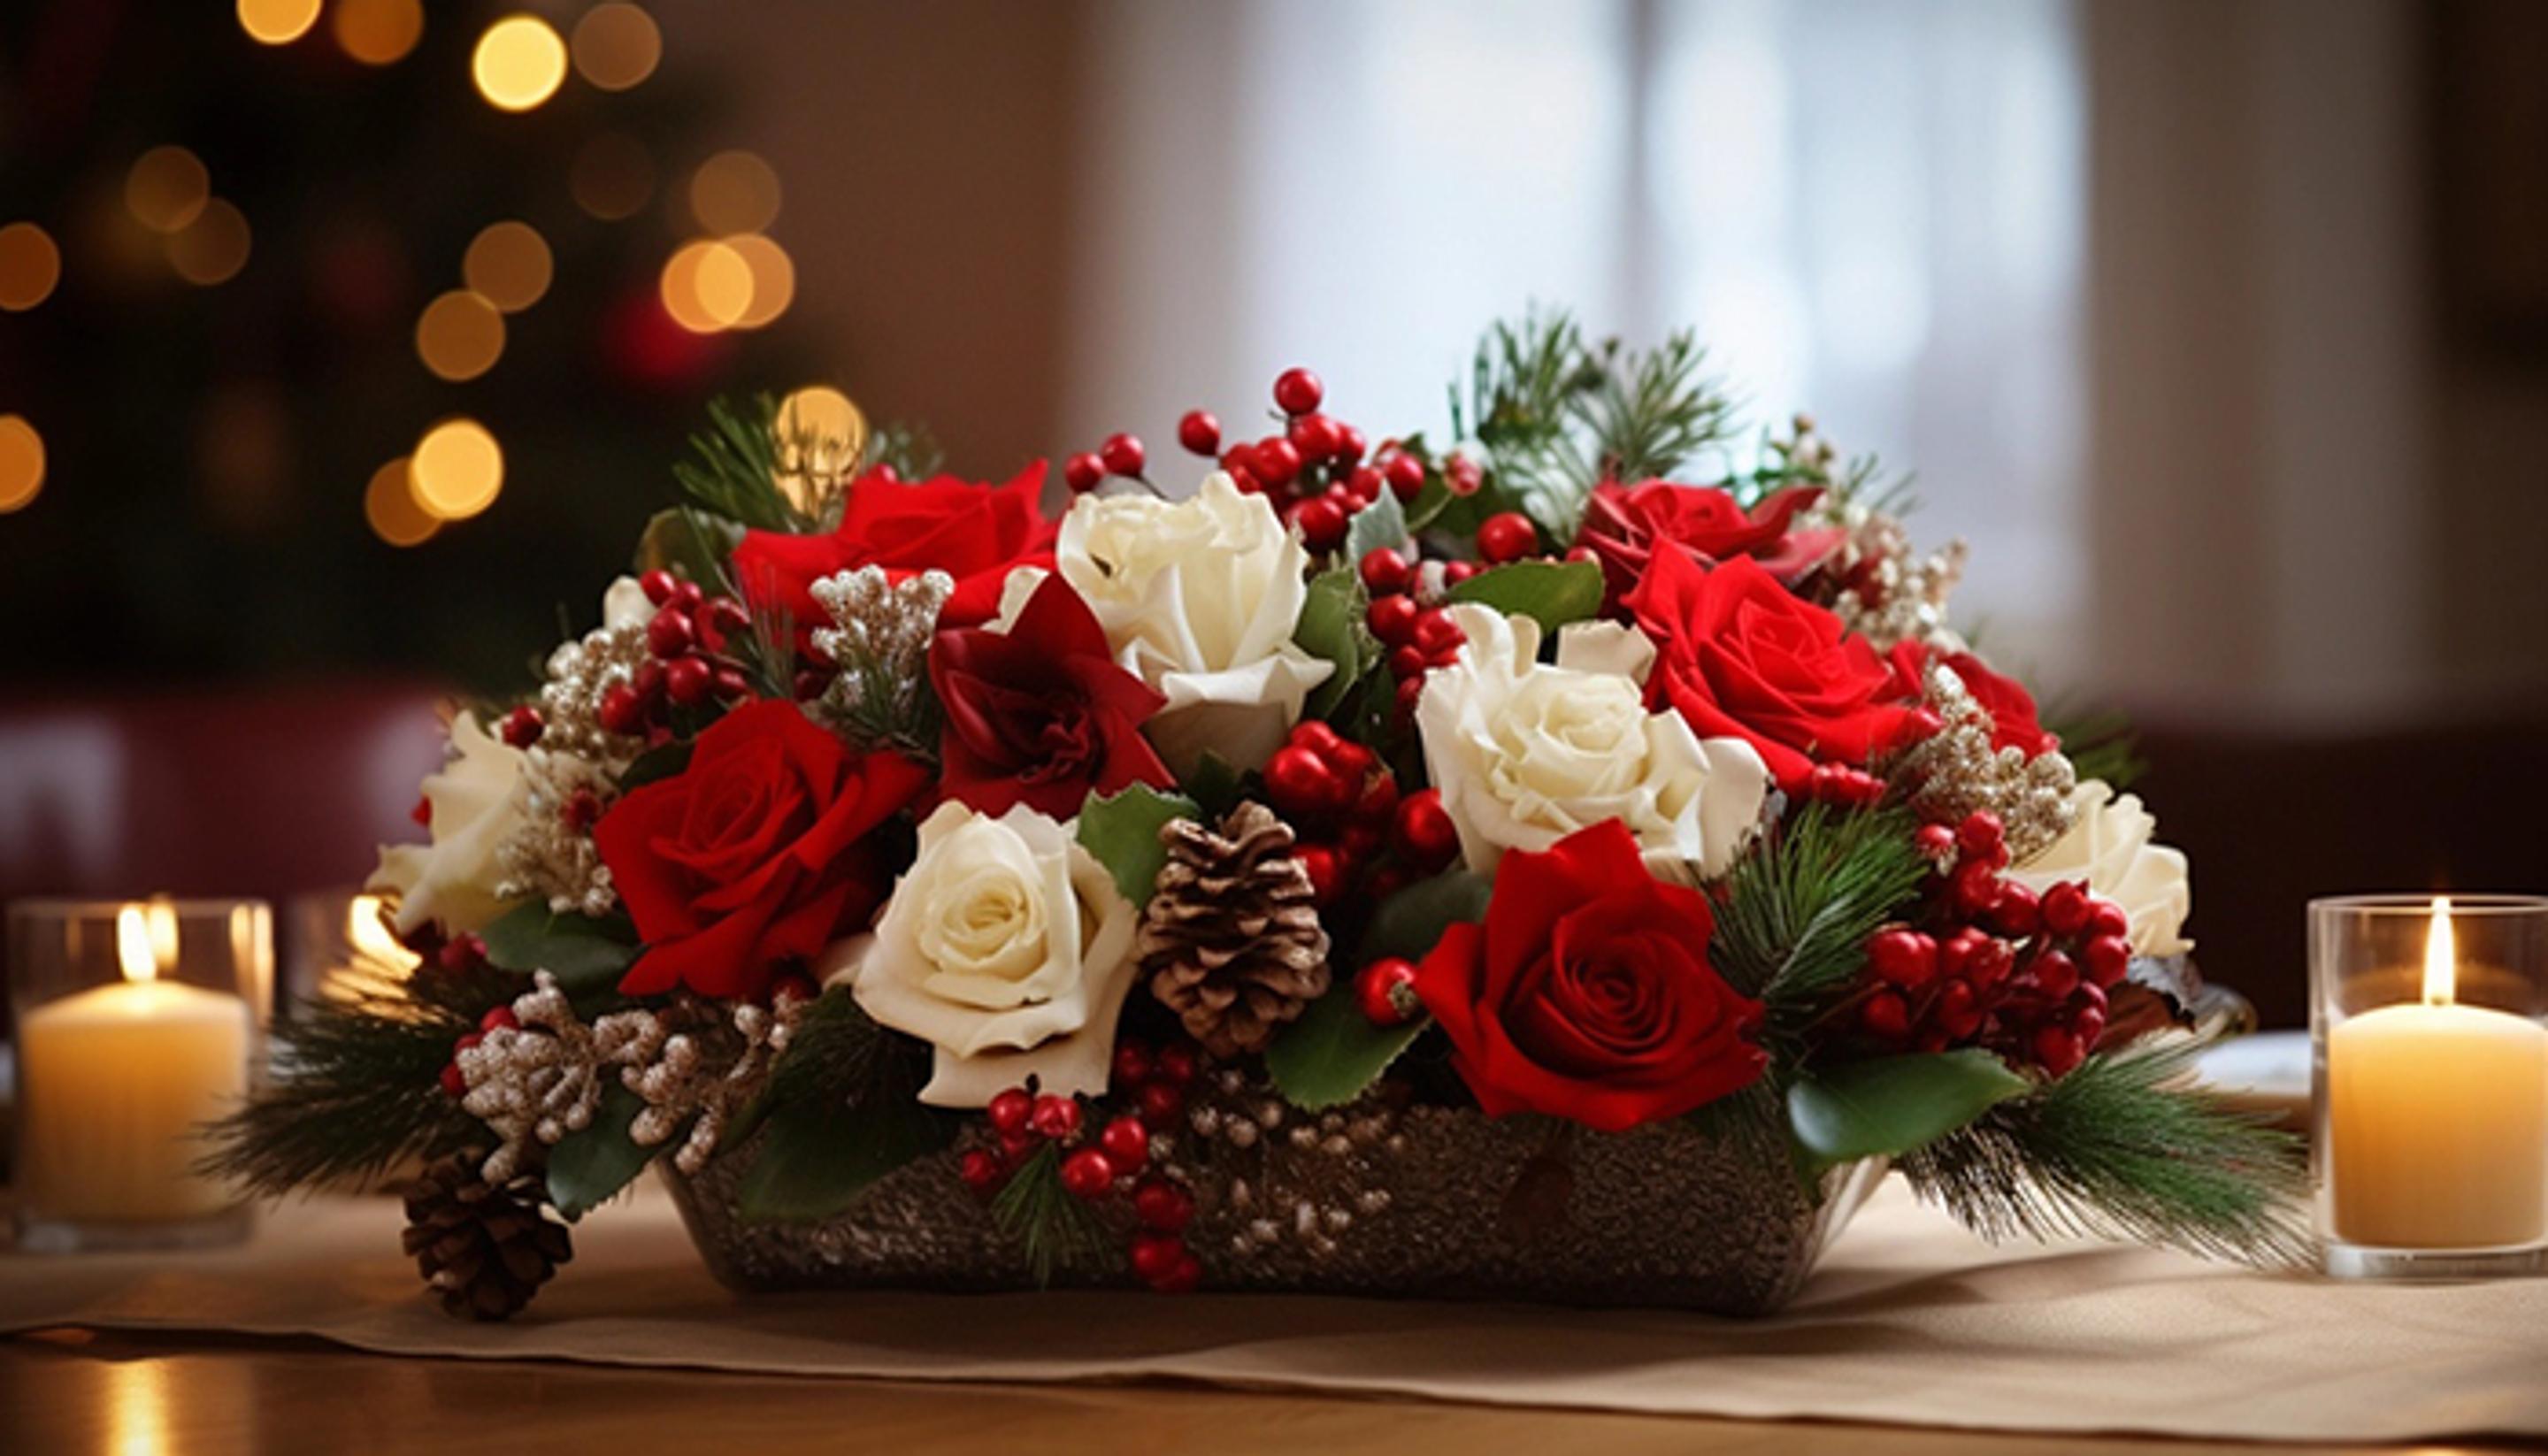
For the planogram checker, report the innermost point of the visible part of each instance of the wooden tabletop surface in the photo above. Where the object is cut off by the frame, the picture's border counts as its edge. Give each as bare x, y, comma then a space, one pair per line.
75, 1392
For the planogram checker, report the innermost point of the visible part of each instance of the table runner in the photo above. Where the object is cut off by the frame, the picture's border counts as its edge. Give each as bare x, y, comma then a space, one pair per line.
1911, 1320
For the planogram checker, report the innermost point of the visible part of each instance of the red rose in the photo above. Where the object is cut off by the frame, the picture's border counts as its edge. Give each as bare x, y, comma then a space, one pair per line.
754, 855
1040, 714
1587, 994
2013, 723
973, 533
1624, 524
1741, 655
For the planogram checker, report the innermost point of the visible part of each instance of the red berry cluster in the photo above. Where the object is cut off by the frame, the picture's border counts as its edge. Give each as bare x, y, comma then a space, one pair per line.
1120, 454
685, 641
454, 1085
1113, 1163
1419, 637
1993, 964
1345, 811
1314, 470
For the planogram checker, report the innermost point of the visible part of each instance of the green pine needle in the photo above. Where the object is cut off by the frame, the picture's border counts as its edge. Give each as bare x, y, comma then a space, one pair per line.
734, 465
1653, 410
2126, 1147
1793, 916
1055, 1227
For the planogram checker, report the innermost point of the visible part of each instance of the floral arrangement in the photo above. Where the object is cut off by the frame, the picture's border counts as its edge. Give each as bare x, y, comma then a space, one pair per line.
1594, 768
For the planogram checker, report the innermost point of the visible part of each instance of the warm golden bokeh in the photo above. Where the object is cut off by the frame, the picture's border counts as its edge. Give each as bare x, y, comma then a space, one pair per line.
214, 247
518, 63
508, 264
460, 336
457, 468
617, 45
30, 266
389, 505
734, 192
277, 22
22, 463
774, 279
378, 32
613, 177
167, 188
707, 286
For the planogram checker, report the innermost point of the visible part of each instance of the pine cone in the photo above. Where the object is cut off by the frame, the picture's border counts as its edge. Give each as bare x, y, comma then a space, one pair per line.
485, 1248
1232, 941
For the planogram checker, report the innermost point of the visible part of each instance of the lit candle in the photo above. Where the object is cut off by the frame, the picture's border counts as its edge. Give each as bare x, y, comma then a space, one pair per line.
2437, 1117
113, 1082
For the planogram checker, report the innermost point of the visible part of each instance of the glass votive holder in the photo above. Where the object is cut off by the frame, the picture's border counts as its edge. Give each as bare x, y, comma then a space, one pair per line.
2430, 1068
137, 1022
339, 948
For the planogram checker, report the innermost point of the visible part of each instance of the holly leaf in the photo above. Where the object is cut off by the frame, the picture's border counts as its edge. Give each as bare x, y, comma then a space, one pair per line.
586, 954
588, 1166
1894, 1104
1331, 627
1214, 784
1123, 831
1408, 923
1553, 592
1381, 523
1334, 1052
817, 1158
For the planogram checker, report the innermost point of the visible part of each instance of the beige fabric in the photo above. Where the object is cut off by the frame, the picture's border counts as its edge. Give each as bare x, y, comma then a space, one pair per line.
1911, 1320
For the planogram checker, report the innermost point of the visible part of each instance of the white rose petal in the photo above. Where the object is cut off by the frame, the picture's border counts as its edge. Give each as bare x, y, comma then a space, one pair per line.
1199, 598
2109, 846
1007, 948
1525, 754
478, 800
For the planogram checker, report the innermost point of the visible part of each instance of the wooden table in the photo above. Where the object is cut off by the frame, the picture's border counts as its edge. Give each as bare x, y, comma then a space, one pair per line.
73, 1391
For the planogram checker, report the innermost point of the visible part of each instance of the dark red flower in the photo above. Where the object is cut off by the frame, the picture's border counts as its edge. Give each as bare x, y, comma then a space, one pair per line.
2013, 723
756, 853
1588, 994
973, 533
1040, 714
1741, 655
1624, 524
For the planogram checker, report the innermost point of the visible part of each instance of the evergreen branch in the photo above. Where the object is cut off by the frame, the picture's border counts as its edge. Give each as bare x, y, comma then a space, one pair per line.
1793, 916
910, 449
2126, 1147
1653, 411
2099, 745
734, 467
1055, 1227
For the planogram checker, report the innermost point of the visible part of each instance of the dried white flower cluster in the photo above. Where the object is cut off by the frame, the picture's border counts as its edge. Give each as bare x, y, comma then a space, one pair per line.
1894, 595
550, 852
686, 1085
879, 641
1957, 771
580, 674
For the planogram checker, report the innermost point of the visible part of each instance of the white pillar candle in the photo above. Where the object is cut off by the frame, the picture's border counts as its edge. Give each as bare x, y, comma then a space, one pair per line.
2437, 1119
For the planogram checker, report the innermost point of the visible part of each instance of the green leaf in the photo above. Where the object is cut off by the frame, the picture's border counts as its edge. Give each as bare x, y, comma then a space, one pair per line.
584, 953
587, 1167
1331, 627
1381, 523
1333, 1051
1553, 592
1894, 1104
1408, 923
817, 1159
661, 762
689, 542
1122, 832
1214, 784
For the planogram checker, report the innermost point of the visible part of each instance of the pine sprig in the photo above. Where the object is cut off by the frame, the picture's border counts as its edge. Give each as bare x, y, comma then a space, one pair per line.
2099, 745
1653, 410
734, 467
2126, 1147
1055, 1227
1794, 914
360, 1086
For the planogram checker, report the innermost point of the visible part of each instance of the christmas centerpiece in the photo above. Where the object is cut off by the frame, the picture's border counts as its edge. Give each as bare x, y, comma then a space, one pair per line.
1569, 858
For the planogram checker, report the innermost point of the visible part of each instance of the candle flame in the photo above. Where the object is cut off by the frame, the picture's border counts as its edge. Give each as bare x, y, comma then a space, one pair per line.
2441, 956
146, 939
370, 938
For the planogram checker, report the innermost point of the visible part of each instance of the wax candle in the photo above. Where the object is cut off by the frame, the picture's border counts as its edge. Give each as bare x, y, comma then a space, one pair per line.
2437, 1117
114, 1081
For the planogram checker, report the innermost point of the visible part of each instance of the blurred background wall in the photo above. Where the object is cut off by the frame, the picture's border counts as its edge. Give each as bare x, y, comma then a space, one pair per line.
2220, 327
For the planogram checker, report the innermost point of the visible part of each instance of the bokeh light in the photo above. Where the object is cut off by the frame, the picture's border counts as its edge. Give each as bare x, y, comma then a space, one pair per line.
377, 31
456, 470
460, 336
508, 265
22, 463
617, 45
734, 192
613, 177
820, 411
167, 188
30, 266
389, 505
277, 22
519, 63
707, 286
774, 279
214, 247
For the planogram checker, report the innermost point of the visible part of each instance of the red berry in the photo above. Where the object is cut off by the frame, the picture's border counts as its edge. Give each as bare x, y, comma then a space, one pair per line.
1456, 571
1122, 454
1088, 1173
1132, 1064
2058, 1051
1125, 1141
1405, 477
1974, 888
809, 682
1956, 1012
464, 1041
1083, 473
1316, 736
1423, 832
2106, 918
1163, 1205
1298, 391
454, 1085
1437, 636
1956, 952
1906, 957
622, 711
1981, 834
1386, 992
1919, 725
1184, 1278
2088, 1023
1352, 762
1990, 963
657, 586
522, 726
1325, 874
731, 683
1019, 1145
499, 1015
1053, 1118
2015, 912
583, 810
1378, 799
1507, 536
1408, 663
1008, 1111
687, 680
1200, 433
1276, 461
982, 1171
1244, 482
1350, 444
462, 952
687, 595
1156, 1255
728, 617
1238, 457
1385, 572
1364, 485
1176, 1063
1161, 1102
1410, 689
1393, 618
1299, 782
2065, 908
648, 680
2056, 974
1315, 436
670, 633
2106, 960
1322, 525
1886, 1014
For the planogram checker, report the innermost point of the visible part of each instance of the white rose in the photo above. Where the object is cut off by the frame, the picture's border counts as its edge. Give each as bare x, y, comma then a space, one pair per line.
1199, 597
1007, 948
1525, 754
2109, 846
478, 802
